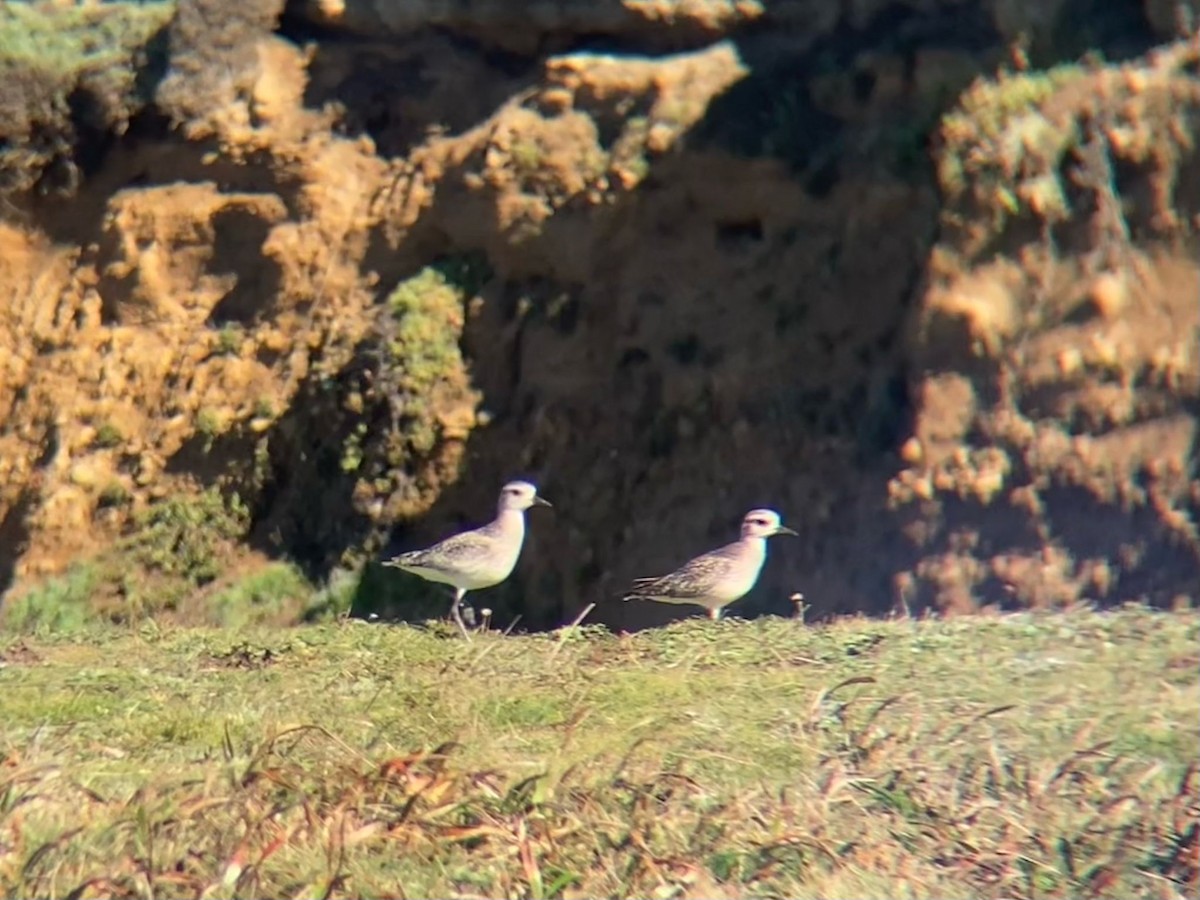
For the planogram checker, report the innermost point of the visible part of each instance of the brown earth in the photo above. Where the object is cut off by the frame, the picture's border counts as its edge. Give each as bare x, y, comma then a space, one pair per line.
362, 271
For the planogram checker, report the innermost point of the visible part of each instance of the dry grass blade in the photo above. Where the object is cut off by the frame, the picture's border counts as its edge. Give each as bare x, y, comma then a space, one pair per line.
1067, 764
976, 719
565, 633
825, 693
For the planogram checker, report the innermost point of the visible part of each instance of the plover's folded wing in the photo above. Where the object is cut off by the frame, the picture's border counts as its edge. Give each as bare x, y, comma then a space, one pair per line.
694, 579
455, 552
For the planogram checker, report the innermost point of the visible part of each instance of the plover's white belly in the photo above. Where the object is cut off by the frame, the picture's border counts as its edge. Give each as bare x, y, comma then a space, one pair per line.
469, 574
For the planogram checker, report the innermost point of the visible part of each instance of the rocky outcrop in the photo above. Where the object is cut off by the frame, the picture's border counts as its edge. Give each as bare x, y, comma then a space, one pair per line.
535, 27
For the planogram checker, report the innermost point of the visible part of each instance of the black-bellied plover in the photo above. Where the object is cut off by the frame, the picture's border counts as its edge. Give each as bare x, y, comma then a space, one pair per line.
721, 576
480, 558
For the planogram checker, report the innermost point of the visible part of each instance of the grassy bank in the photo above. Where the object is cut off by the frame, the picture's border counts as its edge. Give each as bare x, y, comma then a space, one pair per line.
1031, 756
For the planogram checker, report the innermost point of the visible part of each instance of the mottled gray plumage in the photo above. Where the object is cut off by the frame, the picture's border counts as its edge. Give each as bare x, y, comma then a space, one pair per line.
480, 558
457, 554
716, 579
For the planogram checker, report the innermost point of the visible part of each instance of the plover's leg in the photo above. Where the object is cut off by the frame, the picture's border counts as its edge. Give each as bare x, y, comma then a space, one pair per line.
457, 614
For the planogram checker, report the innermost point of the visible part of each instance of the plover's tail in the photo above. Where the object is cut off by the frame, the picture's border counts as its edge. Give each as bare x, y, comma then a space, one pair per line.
411, 558
637, 588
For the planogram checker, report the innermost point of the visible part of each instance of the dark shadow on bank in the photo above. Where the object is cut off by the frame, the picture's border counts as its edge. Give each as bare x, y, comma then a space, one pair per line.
14, 535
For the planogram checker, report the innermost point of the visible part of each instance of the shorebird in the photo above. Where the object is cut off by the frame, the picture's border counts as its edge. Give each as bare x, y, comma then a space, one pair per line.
476, 559
721, 576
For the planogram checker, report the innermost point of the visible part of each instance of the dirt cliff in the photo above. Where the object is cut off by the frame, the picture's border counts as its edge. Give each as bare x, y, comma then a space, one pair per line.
356, 263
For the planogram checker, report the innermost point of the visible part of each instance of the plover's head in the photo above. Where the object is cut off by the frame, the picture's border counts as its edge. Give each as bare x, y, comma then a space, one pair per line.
520, 495
763, 523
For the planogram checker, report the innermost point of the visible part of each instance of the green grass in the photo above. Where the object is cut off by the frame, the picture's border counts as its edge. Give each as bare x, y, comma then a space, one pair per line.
1031, 756
267, 596
276, 594
180, 566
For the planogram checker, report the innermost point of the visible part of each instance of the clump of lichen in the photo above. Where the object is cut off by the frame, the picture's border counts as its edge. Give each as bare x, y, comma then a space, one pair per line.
68, 69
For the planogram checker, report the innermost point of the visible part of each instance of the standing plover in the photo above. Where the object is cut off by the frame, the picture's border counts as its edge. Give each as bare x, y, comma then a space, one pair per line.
721, 576
480, 558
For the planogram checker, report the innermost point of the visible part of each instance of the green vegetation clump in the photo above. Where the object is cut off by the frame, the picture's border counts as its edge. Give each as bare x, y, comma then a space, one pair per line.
1000, 130
208, 425
277, 594
132, 587
181, 536
60, 604
964, 758
273, 594
95, 64
107, 436
428, 310
82, 38
425, 316
229, 339
526, 155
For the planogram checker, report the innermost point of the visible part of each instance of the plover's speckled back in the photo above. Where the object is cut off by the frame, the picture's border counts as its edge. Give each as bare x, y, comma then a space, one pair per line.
480, 558
716, 579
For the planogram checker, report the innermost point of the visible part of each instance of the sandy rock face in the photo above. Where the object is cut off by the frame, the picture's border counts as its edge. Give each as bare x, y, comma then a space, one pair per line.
362, 281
